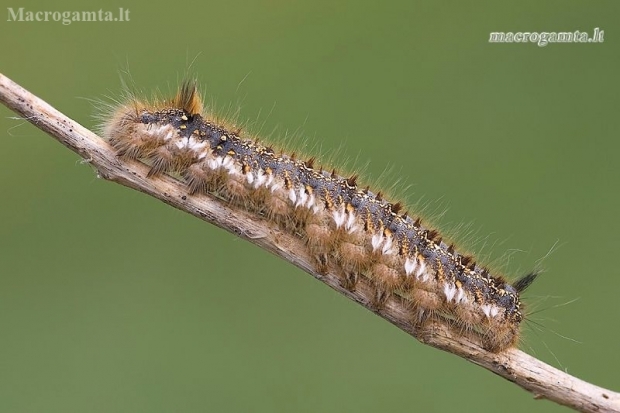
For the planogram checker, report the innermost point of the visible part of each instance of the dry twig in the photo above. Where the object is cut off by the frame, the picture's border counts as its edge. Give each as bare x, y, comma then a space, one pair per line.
526, 371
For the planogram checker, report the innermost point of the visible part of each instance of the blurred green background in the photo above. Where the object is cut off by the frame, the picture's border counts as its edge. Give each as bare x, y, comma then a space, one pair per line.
113, 301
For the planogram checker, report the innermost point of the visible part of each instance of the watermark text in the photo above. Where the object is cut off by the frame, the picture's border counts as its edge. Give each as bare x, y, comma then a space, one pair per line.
67, 17
544, 38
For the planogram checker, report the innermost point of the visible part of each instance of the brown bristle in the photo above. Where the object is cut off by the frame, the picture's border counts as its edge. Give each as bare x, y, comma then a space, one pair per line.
277, 207
162, 161
310, 163
465, 259
431, 234
319, 237
353, 257
386, 276
397, 207
525, 281
235, 189
426, 299
187, 98
352, 181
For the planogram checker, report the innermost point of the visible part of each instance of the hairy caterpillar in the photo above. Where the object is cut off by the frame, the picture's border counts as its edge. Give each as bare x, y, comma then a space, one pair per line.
342, 224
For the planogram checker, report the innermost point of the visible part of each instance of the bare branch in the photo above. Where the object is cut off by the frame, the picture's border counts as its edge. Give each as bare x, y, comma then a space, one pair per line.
544, 381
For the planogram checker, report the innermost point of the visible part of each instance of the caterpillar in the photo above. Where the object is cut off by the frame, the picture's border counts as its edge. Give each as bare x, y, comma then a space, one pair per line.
342, 224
